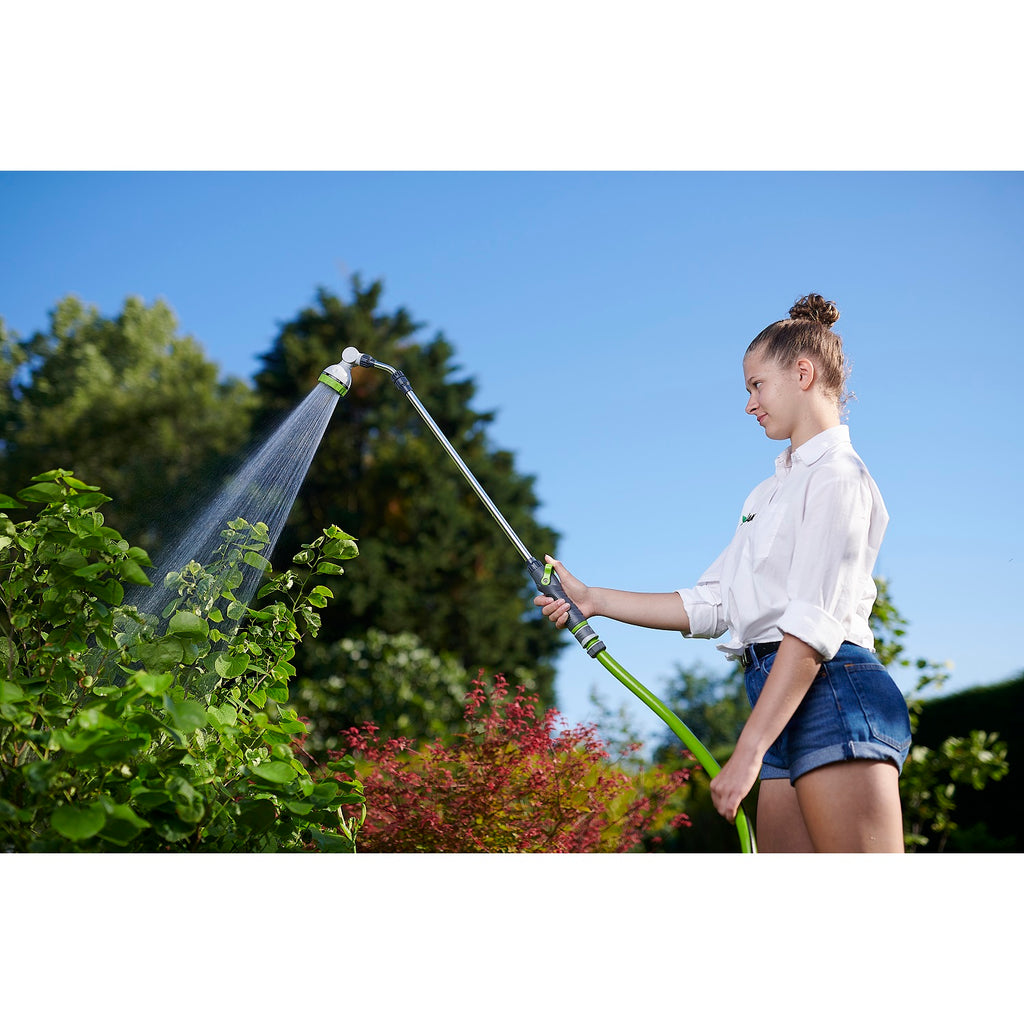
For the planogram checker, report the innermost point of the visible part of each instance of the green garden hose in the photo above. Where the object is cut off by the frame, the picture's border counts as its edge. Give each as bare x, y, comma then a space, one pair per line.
689, 741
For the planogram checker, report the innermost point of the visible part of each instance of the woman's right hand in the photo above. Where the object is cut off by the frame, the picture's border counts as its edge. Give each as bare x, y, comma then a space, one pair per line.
556, 609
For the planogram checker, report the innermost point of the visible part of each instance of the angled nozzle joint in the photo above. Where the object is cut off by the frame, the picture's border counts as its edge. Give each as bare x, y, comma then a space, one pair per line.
339, 376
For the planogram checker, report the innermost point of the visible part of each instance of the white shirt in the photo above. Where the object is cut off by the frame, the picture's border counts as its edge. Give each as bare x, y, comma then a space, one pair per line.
802, 557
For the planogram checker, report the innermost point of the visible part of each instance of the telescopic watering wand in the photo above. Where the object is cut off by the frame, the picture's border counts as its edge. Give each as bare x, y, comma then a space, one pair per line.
339, 377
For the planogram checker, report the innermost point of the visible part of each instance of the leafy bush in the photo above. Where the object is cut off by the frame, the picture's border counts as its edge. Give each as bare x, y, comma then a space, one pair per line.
512, 782
931, 777
128, 732
389, 679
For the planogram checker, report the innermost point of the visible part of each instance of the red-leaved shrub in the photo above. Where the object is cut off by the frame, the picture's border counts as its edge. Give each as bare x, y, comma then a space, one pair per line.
514, 781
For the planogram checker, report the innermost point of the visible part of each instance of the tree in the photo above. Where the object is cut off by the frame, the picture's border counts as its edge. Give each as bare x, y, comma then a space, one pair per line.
129, 403
432, 561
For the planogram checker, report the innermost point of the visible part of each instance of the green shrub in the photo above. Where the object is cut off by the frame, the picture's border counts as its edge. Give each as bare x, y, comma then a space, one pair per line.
128, 732
389, 679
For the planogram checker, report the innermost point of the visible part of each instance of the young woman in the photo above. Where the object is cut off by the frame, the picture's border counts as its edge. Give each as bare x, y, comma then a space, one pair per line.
829, 729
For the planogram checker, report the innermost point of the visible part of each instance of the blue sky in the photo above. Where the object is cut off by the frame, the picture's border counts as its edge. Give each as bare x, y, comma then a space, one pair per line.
604, 317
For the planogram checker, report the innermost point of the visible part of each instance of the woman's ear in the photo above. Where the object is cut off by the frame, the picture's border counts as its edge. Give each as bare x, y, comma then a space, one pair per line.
807, 373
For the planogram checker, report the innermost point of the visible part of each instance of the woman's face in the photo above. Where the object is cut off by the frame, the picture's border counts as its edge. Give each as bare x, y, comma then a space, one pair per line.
774, 395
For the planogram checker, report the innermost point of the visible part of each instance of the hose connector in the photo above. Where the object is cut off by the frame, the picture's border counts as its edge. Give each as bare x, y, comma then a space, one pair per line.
398, 378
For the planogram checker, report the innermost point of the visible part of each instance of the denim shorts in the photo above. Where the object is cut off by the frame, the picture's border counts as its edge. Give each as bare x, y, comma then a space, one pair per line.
853, 710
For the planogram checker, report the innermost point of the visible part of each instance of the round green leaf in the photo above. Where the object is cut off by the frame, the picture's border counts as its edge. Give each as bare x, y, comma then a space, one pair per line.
278, 693
324, 792
162, 654
132, 572
260, 532
78, 822
87, 500
42, 492
69, 478
231, 666
256, 561
343, 549
223, 716
187, 624
123, 825
275, 771
10, 691
187, 716
151, 683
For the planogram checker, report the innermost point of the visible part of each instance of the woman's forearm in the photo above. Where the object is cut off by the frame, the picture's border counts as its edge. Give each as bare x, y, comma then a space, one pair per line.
655, 611
795, 666
794, 669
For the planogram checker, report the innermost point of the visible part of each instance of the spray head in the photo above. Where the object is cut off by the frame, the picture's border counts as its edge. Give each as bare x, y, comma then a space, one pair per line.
339, 376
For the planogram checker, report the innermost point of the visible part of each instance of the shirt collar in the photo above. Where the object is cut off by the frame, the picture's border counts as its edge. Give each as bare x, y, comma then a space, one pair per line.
810, 451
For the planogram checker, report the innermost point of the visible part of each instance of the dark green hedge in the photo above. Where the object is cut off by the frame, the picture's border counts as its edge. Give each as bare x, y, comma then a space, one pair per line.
989, 819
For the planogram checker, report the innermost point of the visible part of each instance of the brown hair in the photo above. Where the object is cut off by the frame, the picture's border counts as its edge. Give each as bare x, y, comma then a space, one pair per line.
808, 332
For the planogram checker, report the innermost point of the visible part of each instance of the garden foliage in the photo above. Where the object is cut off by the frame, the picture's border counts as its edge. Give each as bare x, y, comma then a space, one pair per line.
513, 781
170, 732
390, 679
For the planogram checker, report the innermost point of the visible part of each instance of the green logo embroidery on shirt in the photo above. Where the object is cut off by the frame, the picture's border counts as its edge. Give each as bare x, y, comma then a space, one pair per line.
746, 519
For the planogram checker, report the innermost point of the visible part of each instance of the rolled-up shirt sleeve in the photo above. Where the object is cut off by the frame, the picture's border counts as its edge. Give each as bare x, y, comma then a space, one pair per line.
703, 604
832, 553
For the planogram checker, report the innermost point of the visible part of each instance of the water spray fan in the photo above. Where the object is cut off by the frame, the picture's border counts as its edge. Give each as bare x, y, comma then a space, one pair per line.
339, 378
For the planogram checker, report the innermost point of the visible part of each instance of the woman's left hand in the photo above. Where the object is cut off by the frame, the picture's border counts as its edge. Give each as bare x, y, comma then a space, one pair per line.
733, 783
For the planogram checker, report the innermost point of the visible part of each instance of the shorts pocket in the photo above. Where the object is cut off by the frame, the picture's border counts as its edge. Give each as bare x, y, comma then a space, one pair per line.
883, 706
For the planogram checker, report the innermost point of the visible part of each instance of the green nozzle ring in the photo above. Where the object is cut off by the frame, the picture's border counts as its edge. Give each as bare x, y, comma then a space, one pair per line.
334, 383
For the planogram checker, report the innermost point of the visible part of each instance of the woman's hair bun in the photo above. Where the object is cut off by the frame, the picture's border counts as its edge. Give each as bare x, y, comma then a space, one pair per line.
814, 307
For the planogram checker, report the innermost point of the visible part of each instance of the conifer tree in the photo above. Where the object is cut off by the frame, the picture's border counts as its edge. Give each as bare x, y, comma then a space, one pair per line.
432, 561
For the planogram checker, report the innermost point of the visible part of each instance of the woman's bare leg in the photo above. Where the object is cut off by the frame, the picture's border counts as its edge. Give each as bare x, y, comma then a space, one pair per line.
780, 823
852, 807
